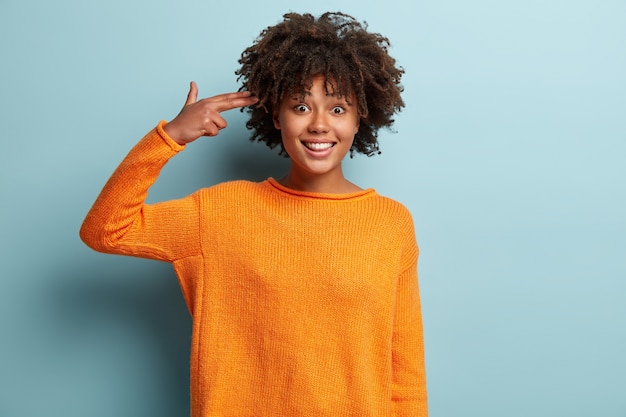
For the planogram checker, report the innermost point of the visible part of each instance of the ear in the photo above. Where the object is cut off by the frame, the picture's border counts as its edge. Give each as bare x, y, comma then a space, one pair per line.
356, 128
275, 120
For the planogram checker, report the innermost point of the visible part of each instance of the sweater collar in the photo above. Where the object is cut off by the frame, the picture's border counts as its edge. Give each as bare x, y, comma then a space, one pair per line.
325, 196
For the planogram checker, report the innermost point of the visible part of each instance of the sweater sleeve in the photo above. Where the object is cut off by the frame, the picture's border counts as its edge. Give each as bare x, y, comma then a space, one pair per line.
409, 395
120, 222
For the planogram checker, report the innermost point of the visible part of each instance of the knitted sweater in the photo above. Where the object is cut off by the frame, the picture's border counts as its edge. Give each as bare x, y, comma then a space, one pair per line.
303, 304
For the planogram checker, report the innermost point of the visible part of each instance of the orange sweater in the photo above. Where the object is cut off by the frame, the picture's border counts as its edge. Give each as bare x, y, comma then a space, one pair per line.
303, 304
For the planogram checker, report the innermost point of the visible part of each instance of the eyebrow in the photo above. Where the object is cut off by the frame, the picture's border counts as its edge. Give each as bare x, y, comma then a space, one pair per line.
297, 96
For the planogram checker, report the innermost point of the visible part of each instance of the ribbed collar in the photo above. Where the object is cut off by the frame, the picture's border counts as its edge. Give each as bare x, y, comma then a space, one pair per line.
325, 196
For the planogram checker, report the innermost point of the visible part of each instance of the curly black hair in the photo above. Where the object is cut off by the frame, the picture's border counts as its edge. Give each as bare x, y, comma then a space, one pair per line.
286, 56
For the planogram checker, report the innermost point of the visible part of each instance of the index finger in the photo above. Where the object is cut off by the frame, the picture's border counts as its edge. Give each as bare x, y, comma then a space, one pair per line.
229, 101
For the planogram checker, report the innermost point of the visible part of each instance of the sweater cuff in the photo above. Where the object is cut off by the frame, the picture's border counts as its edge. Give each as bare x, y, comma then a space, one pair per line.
170, 142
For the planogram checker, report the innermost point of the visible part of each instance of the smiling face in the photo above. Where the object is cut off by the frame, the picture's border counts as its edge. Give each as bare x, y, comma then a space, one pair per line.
317, 130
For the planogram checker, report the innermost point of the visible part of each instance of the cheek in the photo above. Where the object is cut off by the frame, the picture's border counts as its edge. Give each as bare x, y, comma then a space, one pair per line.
352, 128
354, 125
291, 127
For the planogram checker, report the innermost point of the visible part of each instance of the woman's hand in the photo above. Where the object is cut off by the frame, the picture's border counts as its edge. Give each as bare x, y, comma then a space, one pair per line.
202, 117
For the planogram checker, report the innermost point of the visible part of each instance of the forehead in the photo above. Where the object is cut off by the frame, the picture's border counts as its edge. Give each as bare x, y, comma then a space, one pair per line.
322, 83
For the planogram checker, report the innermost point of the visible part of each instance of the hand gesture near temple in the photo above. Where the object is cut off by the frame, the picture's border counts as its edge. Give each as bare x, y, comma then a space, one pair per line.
202, 117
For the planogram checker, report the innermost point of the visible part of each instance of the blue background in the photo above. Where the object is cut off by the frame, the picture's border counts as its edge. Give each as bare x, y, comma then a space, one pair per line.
510, 155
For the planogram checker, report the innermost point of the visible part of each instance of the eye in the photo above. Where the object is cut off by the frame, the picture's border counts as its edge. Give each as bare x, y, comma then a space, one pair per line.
338, 110
301, 108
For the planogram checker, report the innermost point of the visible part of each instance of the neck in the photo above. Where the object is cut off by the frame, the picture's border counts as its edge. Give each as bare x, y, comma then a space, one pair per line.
336, 184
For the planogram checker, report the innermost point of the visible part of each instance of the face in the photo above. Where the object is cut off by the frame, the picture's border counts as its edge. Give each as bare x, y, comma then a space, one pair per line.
317, 131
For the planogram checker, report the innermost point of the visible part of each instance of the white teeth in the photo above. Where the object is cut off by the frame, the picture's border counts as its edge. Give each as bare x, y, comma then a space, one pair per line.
317, 146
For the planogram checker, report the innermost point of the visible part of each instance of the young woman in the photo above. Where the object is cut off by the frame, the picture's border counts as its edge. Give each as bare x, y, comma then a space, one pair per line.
303, 290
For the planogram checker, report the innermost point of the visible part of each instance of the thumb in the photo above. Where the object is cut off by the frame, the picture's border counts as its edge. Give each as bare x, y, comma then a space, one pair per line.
192, 96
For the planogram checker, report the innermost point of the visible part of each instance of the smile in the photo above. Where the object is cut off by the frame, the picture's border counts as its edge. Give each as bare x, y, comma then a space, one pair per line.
318, 146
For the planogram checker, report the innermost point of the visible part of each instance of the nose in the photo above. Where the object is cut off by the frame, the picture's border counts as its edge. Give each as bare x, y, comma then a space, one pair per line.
318, 122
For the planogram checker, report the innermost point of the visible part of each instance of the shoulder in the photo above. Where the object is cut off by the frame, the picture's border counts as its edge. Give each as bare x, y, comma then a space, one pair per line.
232, 192
393, 208
228, 189
397, 218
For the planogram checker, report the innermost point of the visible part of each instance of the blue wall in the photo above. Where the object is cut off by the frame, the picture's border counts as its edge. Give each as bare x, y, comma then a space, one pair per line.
510, 154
